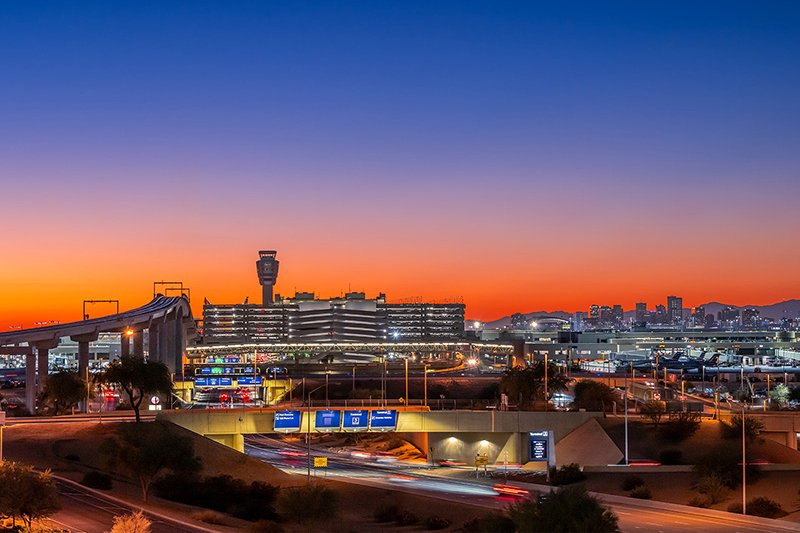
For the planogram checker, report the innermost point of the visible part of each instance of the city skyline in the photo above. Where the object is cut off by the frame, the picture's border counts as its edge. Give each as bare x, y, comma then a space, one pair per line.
525, 157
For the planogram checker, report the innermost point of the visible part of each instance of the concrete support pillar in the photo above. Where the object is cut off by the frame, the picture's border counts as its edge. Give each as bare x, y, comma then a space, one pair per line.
168, 355
180, 343
30, 381
83, 358
138, 343
153, 334
43, 367
124, 345
163, 342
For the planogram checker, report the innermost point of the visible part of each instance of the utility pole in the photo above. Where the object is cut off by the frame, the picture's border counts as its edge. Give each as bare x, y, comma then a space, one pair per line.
744, 466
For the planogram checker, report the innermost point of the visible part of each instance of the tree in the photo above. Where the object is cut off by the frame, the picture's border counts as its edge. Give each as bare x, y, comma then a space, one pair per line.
653, 410
566, 510
25, 493
139, 378
526, 385
147, 451
780, 395
63, 390
131, 523
593, 395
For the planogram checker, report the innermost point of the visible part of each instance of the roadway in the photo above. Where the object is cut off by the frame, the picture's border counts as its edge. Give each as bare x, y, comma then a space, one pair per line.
87, 511
458, 485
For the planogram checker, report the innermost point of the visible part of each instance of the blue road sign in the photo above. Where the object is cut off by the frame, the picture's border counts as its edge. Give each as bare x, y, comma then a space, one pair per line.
287, 421
355, 420
383, 420
328, 420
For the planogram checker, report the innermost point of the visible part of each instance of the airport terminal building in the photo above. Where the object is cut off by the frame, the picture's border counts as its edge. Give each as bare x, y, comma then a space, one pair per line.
306, 318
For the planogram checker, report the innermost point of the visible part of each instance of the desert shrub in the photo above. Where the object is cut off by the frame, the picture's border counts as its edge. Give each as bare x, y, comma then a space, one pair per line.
567, 474
96, 480
386, 513
680, 427
752, 428
209, 517
760, 506
698, 501
670, 457
631, 482
406, 518
643, 493
436, 522
253, 501
570, 509
653, 410
308, 503
266, 526
491, 523
72, 457
131, 523
713, 487
725, 463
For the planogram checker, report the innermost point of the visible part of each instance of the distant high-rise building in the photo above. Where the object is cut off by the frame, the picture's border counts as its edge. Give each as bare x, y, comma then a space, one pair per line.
675, 309
641, 312
617, 315
699, 317
577, 320
661, 315
728, 316
594, 311
750, 316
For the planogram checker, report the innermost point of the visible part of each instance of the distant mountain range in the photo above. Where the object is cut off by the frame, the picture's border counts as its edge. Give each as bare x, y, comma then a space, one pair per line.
776, 311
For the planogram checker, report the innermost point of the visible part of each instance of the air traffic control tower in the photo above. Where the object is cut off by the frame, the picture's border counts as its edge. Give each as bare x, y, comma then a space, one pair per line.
267, 268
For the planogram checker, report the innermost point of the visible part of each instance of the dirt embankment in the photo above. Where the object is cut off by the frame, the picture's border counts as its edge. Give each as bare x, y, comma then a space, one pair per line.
72, 449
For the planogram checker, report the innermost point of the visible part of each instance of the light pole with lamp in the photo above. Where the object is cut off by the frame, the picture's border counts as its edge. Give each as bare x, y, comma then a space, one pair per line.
308, 431
744, 467
425, 383
406, 364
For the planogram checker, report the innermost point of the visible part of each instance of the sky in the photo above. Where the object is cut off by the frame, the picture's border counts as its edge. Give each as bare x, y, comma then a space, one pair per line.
518, 156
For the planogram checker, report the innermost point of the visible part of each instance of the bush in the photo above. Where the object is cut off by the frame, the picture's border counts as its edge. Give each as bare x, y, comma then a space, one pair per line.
752, 428
436, 522
760, 506
570, 509
680, 427
96, 480
697, 501
225, 494
567, 474
406, 518
725, 462
713, 487
386, 513
632, 482
266, 526
209, 517
492, 523
643, 493
670, 457
131, 523
308, 503
653, 410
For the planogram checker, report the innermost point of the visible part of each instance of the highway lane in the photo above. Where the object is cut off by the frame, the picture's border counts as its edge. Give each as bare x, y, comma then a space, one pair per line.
457, 485
84, 511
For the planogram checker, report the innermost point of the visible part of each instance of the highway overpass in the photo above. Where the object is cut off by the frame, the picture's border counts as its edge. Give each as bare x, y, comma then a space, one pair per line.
168, 320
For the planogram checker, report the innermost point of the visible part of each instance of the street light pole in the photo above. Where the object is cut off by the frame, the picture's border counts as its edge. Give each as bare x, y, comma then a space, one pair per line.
308, 433
626, 420
545, 382
425, 383
406, 360
744, 467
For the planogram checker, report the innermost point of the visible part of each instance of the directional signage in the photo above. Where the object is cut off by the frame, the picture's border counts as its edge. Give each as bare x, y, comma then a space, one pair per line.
355, 420
328, 420
248, 381
287, 421
383, 420
539, 446
213, 382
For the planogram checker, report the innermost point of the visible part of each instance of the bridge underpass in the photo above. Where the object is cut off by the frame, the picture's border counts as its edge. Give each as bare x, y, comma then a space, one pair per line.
457, 435
168, 321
